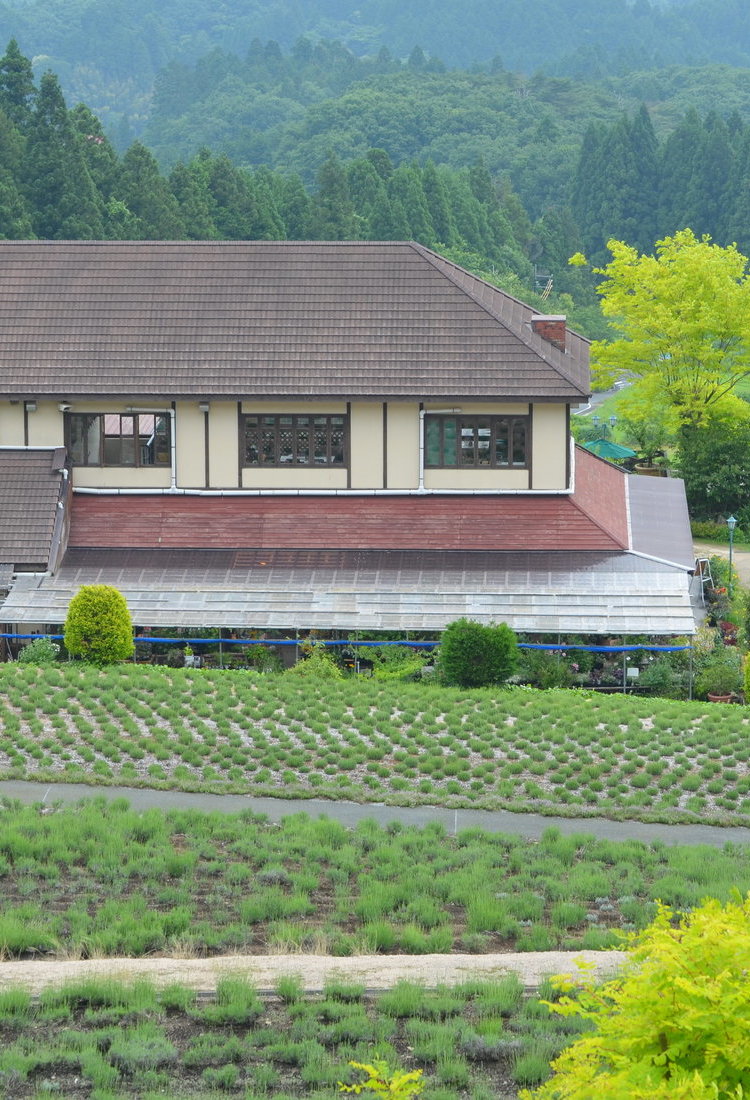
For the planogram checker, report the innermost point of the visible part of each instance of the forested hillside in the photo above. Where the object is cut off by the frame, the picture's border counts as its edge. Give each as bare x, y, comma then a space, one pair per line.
485, 169
107, 52
60, 178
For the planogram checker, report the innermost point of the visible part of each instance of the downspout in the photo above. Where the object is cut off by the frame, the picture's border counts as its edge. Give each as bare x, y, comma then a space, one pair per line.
420, 480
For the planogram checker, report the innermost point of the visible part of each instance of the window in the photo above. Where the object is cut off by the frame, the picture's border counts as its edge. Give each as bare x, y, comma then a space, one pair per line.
115, 439
295, 440
495, 442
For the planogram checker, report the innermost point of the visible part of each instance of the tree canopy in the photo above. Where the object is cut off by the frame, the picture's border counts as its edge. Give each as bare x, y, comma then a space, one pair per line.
675, 1025
682, 317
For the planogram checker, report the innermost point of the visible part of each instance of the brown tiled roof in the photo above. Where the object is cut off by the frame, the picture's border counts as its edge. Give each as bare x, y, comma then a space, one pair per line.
339, 523
31, 485
277, 319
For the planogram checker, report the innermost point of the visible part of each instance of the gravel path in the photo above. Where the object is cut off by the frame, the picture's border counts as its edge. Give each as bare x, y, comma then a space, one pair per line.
350, 813
376, 971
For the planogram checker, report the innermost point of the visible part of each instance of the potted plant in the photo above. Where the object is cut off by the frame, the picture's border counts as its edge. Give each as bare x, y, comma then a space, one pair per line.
189, 656
721, 678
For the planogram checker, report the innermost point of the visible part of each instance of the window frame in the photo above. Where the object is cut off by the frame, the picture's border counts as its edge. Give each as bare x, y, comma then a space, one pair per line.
334, 422
137, 436
499, 424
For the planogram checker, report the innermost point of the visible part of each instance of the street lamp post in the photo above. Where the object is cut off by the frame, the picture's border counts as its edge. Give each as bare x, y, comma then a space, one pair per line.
731, 524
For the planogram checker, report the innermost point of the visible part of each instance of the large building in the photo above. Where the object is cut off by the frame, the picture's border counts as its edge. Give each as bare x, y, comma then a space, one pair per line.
350, 436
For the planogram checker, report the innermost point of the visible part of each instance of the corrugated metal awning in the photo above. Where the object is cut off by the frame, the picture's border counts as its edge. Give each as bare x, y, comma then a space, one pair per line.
568, 593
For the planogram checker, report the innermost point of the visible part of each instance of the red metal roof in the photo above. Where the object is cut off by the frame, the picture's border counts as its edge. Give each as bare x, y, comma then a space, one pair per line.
592, 519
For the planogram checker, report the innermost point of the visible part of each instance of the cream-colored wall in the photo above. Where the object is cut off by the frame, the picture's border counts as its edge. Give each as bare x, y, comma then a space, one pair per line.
107, 405
223, 445
11, 424
48, 430
46, 426
296, 477
403, 445
471, 478
121, 477
549, 446
488, 408
296, 408
366, 445
190, 450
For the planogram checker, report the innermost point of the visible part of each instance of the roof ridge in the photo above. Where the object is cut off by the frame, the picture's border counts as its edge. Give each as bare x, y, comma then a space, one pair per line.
438, 261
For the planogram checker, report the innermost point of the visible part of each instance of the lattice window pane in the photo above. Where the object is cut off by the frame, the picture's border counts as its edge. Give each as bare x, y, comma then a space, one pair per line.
286, 445
267, 456
303, 446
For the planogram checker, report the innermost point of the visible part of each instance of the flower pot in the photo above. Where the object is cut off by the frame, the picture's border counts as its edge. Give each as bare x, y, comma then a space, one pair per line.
719, 698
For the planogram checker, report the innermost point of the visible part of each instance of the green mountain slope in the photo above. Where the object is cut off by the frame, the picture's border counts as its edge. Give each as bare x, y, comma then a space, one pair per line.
107, 52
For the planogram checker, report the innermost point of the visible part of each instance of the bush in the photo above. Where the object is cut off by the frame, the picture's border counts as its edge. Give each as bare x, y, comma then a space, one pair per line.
542, 669
661, 677
320, 665
42, 651
396, 662
675, 1024
472, 655
98, 627
722, 675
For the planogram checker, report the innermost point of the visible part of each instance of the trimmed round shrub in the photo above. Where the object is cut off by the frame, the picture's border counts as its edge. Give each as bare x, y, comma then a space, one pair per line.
98, 627
473, 655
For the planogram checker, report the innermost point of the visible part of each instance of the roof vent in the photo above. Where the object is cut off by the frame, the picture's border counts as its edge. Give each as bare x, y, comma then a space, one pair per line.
550, 328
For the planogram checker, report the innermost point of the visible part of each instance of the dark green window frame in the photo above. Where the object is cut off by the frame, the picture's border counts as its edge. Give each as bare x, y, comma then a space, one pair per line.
280, 440
477, 442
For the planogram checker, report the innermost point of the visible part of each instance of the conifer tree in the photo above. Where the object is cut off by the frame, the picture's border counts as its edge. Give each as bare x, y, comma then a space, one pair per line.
405, 188
438, 206
331, 216
194, 203
146, 194
57, 185
17, 88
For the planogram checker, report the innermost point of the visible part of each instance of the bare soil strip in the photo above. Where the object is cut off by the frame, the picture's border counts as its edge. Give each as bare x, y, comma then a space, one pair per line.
375, 971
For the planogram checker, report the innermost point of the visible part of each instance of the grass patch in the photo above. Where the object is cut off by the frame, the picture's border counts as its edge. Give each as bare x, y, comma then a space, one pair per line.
225, 731
95, 879
468, 1041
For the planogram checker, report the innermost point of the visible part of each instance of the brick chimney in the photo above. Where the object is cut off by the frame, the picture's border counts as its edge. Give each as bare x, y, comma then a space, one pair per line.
550, 328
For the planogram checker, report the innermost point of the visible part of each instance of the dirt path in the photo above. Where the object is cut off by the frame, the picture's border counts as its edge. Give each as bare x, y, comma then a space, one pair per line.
376, 971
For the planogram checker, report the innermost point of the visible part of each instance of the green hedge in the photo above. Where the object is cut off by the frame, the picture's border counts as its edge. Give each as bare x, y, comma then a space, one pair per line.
715, 531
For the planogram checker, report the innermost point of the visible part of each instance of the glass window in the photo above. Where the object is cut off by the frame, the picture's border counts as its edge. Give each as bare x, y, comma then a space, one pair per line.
295, 440
476, 441
117, 439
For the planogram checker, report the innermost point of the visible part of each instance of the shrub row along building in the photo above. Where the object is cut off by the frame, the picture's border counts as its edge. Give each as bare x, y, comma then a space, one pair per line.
282, 435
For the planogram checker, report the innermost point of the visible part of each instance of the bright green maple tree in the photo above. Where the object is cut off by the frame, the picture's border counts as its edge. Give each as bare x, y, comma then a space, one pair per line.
675, 1025
682, 318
